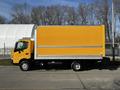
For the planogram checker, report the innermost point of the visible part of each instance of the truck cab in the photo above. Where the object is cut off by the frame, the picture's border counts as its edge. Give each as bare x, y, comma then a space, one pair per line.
23, 51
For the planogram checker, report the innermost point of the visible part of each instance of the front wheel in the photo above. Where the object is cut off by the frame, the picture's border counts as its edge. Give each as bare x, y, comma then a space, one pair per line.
24, 66
76, 66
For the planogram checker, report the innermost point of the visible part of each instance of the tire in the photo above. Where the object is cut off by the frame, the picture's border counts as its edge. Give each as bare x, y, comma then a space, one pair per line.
25, 66
76, 66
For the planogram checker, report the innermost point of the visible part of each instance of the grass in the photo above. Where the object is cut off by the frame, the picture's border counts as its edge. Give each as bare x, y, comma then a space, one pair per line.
5, 63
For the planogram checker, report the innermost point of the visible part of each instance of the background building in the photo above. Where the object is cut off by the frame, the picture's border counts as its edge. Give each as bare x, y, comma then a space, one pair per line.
10, 33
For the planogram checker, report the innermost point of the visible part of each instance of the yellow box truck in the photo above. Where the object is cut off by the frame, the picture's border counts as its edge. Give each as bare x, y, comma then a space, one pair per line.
71, 44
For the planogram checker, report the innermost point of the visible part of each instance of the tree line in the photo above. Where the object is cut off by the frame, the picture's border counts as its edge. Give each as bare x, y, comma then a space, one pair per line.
94, 13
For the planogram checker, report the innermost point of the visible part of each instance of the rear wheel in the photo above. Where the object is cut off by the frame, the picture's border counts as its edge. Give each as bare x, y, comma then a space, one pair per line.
76, 66
25, 66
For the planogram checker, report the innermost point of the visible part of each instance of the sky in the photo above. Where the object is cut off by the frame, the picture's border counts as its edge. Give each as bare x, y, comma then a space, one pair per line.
6, 5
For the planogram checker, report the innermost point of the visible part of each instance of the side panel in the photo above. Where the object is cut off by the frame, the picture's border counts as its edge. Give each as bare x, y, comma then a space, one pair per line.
70, 42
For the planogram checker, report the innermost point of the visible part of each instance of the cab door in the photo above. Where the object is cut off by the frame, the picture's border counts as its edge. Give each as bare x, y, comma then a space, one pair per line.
21, 51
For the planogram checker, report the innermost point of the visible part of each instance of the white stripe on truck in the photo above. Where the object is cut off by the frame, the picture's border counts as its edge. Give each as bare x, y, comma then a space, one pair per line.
91, 57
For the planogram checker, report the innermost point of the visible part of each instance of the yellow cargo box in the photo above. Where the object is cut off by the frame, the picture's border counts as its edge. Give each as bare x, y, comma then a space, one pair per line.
70, 42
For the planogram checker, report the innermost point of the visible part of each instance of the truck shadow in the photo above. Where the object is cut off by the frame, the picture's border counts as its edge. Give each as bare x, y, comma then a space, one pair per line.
111, 66
51, 67
108, 66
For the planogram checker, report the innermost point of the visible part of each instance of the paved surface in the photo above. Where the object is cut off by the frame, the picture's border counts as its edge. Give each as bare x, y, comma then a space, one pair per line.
11, 78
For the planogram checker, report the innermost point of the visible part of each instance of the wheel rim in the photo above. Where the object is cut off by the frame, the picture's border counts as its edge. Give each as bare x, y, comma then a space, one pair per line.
25, 66
77, 66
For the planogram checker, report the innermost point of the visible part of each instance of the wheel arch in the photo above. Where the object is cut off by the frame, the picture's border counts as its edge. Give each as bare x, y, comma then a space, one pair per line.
24, 59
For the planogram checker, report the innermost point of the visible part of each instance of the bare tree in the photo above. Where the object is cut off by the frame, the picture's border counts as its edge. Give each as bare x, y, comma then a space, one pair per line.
50, 15
2, 20
54, 15
83, 13
91, 19
70, 15
117, 7
117, 18
103, 15
21, 14
38, 15
117, 39
58, 14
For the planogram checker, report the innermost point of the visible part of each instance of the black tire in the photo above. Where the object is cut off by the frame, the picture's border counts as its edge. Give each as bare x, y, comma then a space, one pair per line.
24, 65
76, 66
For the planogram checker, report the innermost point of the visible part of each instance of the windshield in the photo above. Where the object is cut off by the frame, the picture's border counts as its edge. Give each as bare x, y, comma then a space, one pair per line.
21, 46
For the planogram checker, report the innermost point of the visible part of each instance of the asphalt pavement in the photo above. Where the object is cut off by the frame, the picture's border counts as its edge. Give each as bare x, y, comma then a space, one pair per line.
12, 78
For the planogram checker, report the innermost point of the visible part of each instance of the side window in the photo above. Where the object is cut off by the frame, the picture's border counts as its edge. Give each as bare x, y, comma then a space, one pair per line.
21, 46
25, 45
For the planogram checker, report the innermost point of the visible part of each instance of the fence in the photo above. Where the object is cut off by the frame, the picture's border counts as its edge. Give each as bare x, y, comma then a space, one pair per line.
109, 51
5, 53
